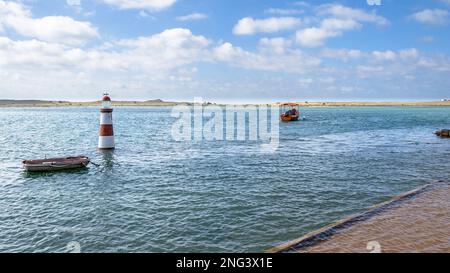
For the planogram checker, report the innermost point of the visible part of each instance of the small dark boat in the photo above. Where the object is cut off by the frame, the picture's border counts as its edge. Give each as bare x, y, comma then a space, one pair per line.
443, 133
56, 164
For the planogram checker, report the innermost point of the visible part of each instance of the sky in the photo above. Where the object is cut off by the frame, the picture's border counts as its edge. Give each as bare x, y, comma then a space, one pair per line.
225, 50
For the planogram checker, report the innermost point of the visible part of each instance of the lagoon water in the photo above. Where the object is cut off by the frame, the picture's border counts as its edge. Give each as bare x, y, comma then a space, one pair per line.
153, 194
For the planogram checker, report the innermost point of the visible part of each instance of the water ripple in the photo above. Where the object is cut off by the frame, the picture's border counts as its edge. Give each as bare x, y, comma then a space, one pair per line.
156, 195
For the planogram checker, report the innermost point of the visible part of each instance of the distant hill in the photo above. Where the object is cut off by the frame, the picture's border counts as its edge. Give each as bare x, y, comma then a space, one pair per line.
44, 103
3, 102
31, 103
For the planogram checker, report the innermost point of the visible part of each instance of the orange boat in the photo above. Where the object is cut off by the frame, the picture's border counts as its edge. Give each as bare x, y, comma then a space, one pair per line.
291, 112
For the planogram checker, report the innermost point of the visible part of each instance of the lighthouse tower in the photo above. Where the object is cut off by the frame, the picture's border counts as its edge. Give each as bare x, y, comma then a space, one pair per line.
106, 133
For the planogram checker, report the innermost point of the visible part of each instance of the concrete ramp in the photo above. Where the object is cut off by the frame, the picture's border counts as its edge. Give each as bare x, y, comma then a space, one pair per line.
417, 221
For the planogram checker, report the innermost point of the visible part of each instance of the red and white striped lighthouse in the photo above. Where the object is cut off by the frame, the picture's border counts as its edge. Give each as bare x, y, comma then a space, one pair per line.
106, 133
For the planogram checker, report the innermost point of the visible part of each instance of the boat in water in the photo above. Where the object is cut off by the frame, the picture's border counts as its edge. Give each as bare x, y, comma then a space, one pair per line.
443, 133
291, 112
56, 164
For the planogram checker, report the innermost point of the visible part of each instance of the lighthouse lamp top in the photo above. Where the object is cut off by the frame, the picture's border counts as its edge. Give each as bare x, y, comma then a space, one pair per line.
106, 101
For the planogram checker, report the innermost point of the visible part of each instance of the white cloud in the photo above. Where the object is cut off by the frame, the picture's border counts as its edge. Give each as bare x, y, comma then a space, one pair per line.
161, 52
227, 52
305, 82
340, 24
384, 55
61, 29
192, 17
73, 2
406, 55
441, 64
344, 54
410, 53
129, 67
146, 15
164, 64
154, 5
302, 4
155, 64
153, 55
359, 15
273, 55
143, 14
164, 51
432, 16
275, 42
428, 39
12, 9
343, 19
279, 44
248, 25
316, 36
284, 12
37, 55
54, 29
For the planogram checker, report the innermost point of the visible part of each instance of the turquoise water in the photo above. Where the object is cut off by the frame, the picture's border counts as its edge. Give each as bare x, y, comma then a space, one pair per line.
156, 195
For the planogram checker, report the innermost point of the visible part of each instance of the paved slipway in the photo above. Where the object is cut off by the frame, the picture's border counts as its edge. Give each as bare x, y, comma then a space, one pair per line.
417, 221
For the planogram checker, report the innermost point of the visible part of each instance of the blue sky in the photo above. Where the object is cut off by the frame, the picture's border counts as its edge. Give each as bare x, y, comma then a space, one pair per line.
225, 51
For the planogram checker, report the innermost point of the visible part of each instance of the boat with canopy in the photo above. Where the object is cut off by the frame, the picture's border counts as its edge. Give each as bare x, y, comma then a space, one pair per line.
291, 112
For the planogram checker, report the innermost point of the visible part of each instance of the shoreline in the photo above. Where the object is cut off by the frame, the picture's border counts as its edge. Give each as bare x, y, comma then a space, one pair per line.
160, 103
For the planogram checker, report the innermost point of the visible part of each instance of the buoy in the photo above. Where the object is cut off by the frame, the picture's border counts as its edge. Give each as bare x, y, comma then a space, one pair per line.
106, 133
